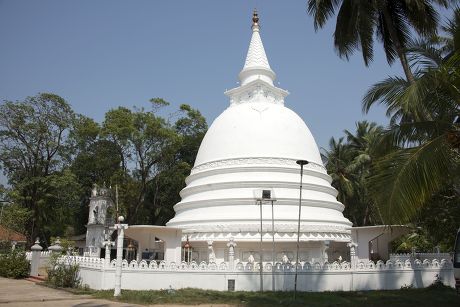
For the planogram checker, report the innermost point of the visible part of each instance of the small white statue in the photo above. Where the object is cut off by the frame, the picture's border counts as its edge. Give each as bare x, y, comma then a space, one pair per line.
251, 258
94, 191
285, 258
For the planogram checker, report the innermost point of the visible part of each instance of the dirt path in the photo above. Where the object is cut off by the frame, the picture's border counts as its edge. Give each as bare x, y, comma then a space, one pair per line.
23, 293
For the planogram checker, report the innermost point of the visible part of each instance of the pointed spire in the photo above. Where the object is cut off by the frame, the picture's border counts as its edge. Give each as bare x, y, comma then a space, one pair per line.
256, 65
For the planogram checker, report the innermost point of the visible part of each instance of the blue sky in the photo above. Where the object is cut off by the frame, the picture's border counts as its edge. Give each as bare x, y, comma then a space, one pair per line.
100, 55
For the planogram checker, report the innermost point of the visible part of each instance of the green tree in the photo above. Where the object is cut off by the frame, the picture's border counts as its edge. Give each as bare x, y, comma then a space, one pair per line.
390, 21
34, 150
425, 130
349, 165
144, 141
163, 190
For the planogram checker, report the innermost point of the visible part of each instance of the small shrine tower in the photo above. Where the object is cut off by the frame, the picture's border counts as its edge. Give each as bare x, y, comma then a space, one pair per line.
98, 220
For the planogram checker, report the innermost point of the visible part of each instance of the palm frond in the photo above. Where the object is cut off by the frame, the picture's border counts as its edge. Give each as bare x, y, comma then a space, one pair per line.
321, 10
385, 92
405, 179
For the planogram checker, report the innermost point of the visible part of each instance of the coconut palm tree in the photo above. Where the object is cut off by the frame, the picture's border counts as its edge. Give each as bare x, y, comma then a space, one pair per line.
359, 22
337, 159
348, 164
425, 128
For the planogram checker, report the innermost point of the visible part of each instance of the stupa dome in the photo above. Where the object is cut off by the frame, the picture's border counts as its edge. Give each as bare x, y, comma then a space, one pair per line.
258, 129
253, 146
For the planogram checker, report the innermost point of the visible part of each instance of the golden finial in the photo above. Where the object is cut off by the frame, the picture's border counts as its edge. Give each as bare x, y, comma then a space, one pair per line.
255, 18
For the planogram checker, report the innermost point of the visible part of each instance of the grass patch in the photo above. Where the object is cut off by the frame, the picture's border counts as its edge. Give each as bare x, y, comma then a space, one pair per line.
81, 290
431, 296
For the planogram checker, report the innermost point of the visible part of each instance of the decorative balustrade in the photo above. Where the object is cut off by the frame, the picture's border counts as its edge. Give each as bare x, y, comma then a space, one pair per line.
422, 256
91, 262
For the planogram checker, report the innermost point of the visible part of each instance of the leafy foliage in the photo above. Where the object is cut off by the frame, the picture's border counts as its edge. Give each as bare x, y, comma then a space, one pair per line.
34, 152
424, 130
52, 157
62, 273
389, 21
349, 162
14, 264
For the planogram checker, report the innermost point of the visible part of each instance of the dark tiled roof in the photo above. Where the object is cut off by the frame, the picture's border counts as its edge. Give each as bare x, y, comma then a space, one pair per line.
7, 234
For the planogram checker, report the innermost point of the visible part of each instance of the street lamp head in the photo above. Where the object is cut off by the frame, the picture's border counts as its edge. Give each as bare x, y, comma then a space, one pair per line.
266, 194
302, 162
121, 219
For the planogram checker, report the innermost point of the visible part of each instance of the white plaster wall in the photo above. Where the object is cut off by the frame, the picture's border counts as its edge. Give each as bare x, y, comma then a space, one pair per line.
249, 281
364, 235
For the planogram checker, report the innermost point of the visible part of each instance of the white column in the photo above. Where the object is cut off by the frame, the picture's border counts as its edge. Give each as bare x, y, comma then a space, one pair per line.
35, 263
139, 252
231, 254
108, 246
211, 254
325, 249
121, 232
353, 258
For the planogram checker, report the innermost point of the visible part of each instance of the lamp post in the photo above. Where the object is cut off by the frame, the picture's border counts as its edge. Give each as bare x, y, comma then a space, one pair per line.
273, 245
121, 229
301, 163
267, 195
260, 253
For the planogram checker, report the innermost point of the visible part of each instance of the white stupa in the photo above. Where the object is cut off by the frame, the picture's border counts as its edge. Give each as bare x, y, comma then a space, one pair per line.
253, 146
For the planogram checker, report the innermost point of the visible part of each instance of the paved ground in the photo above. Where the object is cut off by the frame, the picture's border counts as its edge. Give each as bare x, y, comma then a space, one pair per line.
16, 293
23, 293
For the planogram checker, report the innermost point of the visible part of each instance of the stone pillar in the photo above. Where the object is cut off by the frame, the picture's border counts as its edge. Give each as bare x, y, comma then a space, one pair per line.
56, 247
325, 249
139, 252
413, 253
353, 258
211, 254
231, 254
108, 246
35, 263
121, 233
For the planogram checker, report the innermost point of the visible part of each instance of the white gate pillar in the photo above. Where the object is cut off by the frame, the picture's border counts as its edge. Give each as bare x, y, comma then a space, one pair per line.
35, 263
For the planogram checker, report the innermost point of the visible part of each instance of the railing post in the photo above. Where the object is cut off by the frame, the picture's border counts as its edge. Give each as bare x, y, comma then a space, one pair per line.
108, 246
231, 254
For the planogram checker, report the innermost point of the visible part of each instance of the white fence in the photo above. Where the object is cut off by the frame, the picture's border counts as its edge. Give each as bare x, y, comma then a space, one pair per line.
245, 277
410, 256
44, 259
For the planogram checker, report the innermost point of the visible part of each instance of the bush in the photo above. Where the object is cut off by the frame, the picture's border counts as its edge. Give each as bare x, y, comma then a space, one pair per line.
14, 265
63, 273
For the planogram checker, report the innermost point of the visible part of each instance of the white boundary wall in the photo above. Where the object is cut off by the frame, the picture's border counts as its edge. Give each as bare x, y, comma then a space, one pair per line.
312, 277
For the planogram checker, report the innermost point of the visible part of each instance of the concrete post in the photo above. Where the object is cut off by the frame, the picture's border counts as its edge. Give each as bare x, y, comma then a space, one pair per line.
35, 263
353, 258
108, 246
56, 247
326, 248
211, 254
231, 254
121, 232
139, 252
